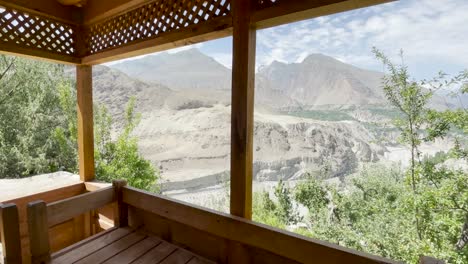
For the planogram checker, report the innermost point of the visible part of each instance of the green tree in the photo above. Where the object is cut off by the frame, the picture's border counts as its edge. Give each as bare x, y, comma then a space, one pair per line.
120, 159
38, 127
33, 130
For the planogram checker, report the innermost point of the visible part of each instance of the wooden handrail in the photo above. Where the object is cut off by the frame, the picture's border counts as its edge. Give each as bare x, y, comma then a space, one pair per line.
41, 216
63, 210
287, 244
9, 234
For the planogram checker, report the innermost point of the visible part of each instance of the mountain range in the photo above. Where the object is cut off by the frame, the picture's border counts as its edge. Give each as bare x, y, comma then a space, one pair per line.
318, 80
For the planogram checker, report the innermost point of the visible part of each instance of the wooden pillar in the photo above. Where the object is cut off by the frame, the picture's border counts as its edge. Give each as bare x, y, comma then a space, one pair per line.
84, 83
10, 234
121, 214
38, 228
242, 123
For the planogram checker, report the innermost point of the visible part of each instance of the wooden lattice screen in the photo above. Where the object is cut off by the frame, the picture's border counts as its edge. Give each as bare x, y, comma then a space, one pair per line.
34, 34
31, 31
152, 20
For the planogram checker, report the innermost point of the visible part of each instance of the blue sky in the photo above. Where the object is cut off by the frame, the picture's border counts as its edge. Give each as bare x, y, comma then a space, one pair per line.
432, 33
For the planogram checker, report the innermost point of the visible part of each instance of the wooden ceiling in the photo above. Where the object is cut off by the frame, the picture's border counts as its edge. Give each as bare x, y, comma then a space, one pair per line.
97, 31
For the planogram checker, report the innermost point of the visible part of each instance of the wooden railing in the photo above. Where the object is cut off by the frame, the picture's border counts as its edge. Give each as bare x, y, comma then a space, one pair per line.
217, 236
228, 239
42, 216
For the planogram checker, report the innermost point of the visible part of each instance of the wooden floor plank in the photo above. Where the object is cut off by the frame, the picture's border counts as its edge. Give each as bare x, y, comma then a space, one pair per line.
94, 245
82, 242
134, 252
198, 260
179, 256
156, 254
113, 249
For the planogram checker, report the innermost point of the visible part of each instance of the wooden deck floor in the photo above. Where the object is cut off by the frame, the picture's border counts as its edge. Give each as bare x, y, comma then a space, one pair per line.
124, 245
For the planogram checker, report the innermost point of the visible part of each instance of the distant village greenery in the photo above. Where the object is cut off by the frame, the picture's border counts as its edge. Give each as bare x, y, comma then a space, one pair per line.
38, 127
399, 214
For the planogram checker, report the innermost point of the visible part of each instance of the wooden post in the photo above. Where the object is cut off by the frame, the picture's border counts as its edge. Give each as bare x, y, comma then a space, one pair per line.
121, 215
38, 228
10, 234
242, 123
84, 83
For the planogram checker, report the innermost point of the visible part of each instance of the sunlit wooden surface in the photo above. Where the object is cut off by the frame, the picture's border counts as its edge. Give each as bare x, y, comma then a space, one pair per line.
125, 245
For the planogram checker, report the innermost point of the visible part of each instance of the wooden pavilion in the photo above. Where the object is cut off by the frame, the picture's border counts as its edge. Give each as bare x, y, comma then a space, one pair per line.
90, 222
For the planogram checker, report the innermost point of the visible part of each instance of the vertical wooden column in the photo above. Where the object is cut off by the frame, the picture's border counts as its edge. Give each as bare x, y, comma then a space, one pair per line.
38, 229
242, 123
84, 83
10, 234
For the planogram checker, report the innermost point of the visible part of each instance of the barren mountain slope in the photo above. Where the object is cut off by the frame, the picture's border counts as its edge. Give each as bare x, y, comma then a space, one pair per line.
184, 70
321, 80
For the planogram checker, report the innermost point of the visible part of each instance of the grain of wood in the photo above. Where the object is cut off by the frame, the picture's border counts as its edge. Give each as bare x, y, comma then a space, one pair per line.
38, 232
84, 85
62, 210
242, 108
10, 234
178, 257
113, 249
156, 254
87, 248
134, 252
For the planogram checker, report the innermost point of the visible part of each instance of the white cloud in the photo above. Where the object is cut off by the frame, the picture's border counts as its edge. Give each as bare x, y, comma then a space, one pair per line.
433, 34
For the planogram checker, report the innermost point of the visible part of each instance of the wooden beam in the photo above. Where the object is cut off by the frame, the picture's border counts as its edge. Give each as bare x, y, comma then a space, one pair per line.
216, 28
31, 53
84, 83
96, 11
10, 234
280, 242
66, 209
242, 123
292, 11
121, 212
46, 8
38, 232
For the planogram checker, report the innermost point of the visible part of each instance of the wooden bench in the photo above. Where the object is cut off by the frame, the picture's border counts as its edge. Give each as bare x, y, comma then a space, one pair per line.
120, 244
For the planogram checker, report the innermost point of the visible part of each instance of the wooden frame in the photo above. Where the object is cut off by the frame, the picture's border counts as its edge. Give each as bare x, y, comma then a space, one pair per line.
104, 31
42, 216
237, 230
242, 108
232, 239
84, 87
90, 17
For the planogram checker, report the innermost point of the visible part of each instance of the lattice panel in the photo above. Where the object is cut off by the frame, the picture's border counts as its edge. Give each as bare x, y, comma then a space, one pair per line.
152, 20
31, 31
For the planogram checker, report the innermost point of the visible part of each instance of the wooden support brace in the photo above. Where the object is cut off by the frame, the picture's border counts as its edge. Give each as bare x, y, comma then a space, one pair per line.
121, 218
84, 81
9, 234
38, 232
242, 123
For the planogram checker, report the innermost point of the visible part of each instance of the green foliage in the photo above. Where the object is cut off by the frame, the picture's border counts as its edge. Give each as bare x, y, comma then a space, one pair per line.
326, 115
33, 133
281, 212
311, 194
396, 214
285, 210
38, 128
374, 211
120, 159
